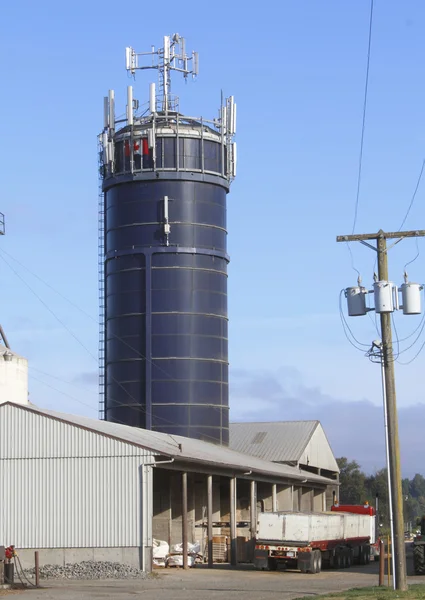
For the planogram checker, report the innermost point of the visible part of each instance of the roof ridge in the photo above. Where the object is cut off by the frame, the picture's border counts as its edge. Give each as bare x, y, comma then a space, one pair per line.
273, 422
196, 451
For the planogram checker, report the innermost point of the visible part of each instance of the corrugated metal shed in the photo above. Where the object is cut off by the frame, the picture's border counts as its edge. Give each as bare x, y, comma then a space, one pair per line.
180, 448
67, 487
296, 442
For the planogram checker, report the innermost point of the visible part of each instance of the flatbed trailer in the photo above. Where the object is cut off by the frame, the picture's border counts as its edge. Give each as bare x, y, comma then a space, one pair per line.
312, 541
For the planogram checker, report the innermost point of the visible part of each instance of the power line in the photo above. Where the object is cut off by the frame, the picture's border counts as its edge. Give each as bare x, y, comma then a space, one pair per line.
414, 195
414, 358
421, 324
63, 393
359, 174
417, 254
47, 307
47, 284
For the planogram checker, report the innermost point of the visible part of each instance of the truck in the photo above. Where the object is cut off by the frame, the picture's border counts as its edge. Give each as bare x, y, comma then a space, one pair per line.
314, 540
419, 550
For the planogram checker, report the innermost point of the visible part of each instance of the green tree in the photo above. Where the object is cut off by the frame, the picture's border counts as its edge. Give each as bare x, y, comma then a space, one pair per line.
405, 486
417, 486
352, 482
377, 485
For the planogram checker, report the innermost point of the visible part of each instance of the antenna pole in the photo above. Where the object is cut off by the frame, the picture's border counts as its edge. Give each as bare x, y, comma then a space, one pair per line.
172, 57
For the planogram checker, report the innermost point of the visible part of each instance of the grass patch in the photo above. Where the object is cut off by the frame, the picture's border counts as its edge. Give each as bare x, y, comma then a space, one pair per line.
415, 592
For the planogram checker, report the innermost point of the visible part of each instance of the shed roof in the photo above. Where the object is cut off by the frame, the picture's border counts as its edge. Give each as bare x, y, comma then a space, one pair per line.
178, 447
280, 441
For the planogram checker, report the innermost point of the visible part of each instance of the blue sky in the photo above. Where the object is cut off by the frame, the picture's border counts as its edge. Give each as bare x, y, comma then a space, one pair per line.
297, 72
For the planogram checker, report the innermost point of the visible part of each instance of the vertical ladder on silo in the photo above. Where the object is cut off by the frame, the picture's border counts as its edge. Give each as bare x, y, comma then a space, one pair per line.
101, 274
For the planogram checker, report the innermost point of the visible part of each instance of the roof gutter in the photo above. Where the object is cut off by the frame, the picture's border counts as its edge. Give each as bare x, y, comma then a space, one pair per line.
159, 462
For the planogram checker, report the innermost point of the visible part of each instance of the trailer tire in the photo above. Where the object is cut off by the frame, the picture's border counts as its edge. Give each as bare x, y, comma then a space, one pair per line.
365, 555
315, 565
303, 568
419, 559
319, 561
336, 560
272, 564
362, 555
349, 558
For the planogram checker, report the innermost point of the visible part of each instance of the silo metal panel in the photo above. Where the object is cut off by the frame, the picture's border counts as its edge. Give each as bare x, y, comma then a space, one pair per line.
166, 305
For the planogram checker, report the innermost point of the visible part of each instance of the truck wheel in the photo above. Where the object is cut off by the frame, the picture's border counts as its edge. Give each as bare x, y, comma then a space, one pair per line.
366, 555
349, 559
319, 561
312, 568
272, 564
336, 561
362, 556
419, 559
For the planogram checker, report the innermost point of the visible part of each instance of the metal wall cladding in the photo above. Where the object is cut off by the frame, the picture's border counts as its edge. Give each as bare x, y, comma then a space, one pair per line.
135, 215
166, 308
65, 487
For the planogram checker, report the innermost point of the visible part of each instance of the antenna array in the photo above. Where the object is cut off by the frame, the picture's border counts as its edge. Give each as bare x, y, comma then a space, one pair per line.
172, 57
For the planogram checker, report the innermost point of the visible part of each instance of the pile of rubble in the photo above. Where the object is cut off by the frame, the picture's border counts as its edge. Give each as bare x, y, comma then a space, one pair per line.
89, 569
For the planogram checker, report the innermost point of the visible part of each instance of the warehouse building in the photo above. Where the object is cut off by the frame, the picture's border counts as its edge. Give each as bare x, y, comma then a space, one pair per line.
77, 488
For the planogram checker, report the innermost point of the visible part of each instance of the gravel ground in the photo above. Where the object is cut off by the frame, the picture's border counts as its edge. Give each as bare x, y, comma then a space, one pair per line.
88, 570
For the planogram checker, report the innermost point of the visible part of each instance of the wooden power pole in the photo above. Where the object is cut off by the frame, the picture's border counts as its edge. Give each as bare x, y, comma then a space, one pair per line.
388, 360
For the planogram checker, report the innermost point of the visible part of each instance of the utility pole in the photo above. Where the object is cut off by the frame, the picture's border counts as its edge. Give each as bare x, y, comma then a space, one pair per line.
388, 361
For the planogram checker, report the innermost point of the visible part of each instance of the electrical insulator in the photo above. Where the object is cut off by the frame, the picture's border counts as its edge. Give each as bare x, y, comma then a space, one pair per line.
411, 298
356, 301
386, 299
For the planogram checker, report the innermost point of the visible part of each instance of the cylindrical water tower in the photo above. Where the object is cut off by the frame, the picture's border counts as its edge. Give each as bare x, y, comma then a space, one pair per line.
163, 259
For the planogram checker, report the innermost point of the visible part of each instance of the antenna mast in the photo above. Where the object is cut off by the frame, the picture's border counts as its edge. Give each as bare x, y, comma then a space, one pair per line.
2, 232
172, 57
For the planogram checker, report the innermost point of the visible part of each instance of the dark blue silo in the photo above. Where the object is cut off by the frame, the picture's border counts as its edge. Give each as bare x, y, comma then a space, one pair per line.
165, 181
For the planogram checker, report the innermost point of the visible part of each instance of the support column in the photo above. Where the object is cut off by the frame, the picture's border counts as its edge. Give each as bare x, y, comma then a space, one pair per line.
253, 509
148, 340
233, 538
274, 498
210, 521
184, 519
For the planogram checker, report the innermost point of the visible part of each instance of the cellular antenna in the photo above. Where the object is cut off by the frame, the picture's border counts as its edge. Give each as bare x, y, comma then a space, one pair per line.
172, 57
2, 224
